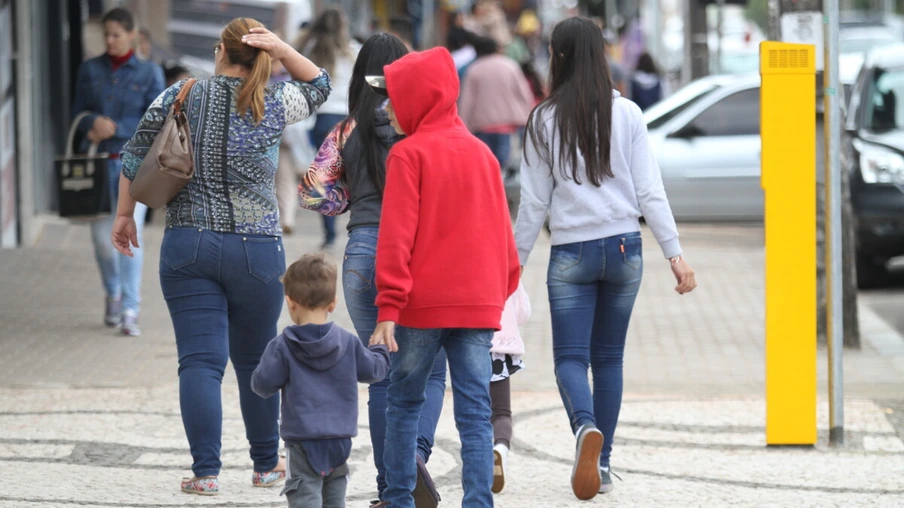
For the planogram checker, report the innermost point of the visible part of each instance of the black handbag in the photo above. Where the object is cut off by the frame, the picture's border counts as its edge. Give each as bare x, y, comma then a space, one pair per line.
83, 184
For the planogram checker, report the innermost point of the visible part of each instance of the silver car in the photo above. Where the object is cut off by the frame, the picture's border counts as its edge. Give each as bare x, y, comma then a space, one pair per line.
706, 138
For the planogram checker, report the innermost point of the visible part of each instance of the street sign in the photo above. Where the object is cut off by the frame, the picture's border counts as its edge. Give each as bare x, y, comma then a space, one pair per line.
804, 28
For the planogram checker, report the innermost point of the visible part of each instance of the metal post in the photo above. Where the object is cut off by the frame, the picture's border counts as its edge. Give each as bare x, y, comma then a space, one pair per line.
720, 19
775, 23
833, 94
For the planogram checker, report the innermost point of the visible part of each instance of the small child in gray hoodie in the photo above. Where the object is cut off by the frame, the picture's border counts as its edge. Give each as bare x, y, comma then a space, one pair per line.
317, 366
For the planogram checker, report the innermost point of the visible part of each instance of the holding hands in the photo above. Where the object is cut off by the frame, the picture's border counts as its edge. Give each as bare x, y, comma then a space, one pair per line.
385, 335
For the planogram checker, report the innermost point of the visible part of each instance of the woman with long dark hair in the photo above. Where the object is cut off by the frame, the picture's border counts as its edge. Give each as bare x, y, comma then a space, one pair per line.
349, 174
222, 254
588, 164
327, 42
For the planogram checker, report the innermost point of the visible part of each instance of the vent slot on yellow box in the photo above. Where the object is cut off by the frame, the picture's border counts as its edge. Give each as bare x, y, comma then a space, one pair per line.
784, 59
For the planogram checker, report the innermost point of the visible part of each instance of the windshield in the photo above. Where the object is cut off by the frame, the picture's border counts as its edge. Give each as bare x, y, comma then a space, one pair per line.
883, 112
863, 44
672, 106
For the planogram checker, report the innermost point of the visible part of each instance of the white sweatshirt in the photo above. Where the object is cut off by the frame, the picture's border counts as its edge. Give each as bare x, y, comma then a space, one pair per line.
580, 213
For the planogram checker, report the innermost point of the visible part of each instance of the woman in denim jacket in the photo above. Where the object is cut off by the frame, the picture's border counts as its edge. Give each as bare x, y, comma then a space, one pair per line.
222, 254
115, 89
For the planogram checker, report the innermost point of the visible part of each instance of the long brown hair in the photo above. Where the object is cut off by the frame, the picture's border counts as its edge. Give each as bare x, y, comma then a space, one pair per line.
581, 93
251, 94
327, 39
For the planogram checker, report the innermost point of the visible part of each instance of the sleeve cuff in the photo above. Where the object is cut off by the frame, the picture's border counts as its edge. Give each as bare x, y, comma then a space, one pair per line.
522, 256
671, 248
388, 313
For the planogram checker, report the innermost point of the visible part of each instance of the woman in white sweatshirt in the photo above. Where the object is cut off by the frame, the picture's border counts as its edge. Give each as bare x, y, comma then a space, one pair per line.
588, 164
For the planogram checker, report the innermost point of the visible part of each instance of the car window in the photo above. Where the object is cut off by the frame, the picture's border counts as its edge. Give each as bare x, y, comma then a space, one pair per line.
736, 115
670, 107
883, 110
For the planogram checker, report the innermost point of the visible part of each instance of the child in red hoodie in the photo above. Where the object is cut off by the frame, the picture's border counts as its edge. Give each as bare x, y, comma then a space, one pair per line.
446, 263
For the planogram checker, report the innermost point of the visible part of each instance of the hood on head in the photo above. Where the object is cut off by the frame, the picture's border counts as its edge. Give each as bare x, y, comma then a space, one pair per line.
423, 88
317, 346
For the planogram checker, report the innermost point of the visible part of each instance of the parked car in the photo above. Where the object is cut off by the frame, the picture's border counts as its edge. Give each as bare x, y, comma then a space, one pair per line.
854, 42
706, 137
873, 155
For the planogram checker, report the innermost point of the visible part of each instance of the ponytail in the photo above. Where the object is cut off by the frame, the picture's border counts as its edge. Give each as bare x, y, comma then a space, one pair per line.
251, 95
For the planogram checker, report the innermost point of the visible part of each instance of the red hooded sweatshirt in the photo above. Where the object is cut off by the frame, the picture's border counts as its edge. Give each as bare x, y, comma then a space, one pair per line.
446, 255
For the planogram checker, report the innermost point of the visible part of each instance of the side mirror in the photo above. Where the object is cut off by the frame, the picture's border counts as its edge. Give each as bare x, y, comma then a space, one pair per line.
689, 131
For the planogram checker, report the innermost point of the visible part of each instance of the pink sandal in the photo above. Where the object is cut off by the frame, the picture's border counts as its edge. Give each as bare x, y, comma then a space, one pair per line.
205, 486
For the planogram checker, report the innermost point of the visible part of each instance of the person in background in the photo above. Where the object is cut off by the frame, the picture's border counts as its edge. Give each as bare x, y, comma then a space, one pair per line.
349, 175
222, 251
316, 367
116, 89
174, 72
496, 98
458, 41
647, 85
328, 43
488, 19
588, 165
145, 47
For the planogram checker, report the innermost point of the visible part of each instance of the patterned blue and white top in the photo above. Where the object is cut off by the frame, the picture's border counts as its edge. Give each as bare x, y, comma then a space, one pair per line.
233, 187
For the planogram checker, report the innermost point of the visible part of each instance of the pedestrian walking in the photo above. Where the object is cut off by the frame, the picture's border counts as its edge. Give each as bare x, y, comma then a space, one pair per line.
222, 253
496, 98
647, 85
327, 42
349, 175
507, 353
446, 264
588, 164
316, 366
115, 89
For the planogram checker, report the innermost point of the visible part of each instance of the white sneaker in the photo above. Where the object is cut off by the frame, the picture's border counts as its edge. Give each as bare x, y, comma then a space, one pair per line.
500, 464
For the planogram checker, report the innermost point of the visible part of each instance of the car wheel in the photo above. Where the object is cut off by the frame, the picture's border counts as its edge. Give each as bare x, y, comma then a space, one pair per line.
871, 272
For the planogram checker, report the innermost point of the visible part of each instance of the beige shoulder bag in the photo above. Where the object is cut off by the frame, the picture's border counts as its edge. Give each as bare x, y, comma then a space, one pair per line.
169, 164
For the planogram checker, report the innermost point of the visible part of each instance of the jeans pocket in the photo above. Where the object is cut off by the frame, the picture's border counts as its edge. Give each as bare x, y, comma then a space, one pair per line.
632, 251
565, 257
179, 248
266, 259
358, 273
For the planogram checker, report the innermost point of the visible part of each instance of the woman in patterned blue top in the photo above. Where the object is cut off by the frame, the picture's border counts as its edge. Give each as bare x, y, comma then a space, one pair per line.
222, 254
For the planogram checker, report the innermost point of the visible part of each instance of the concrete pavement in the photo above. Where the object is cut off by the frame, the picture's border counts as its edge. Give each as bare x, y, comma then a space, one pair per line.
90, 418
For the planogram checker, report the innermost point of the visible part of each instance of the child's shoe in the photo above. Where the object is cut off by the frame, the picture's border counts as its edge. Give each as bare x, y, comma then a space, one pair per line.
500, 464
204, 486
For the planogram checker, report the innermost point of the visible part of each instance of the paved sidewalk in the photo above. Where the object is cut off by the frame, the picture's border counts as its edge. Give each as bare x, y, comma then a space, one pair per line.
90, 418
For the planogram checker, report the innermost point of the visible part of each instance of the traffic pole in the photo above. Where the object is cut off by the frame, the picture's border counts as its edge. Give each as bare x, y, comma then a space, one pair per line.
834, 280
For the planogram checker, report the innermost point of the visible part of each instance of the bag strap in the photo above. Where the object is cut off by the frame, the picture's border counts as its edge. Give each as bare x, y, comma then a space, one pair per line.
183, 94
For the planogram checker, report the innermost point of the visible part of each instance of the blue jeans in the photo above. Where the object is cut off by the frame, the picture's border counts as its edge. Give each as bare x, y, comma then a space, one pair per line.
360, 286
500, 145
471, 368
323, 124
224, 296
592, 287
121, 275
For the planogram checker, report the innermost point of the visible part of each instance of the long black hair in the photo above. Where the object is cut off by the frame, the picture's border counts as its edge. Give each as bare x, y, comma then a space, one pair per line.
380, 50
581, 93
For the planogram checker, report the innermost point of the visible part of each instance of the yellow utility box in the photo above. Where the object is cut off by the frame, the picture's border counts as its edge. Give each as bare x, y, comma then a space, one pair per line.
788, 178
